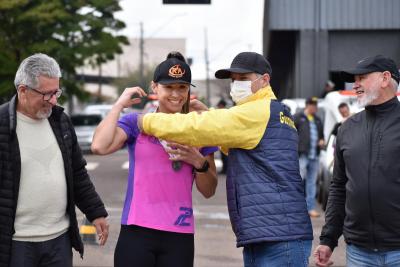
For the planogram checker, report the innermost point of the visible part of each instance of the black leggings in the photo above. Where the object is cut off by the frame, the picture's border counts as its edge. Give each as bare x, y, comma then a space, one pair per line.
143, 247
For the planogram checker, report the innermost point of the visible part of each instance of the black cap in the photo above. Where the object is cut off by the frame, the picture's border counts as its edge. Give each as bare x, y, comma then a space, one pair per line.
246, 62
312, 101
372, 64
173, 70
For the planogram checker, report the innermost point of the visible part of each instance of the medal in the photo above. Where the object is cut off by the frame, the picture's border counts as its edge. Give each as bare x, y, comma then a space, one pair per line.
176, 165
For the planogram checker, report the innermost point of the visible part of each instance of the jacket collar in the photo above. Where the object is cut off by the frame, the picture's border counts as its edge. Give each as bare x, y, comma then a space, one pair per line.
384, 107
12, 111
265, 92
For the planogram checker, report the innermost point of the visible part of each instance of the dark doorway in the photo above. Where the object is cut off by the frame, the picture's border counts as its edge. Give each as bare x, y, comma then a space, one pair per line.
335, 77
281, 55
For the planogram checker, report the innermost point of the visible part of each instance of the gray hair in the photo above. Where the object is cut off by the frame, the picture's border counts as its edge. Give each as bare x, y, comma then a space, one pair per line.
34, 66
394, 85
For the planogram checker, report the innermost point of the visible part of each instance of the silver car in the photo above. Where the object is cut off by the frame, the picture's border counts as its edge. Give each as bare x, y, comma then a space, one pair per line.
85, 125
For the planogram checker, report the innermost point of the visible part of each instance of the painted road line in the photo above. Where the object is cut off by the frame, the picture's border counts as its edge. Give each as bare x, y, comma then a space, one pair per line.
210, 212
90, 166
218, 164
125, 166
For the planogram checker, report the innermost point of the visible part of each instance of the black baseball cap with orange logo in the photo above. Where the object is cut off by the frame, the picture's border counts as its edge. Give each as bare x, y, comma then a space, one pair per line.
172, 71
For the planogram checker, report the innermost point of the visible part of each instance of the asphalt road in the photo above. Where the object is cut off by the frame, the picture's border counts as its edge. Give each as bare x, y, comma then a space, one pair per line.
214, 240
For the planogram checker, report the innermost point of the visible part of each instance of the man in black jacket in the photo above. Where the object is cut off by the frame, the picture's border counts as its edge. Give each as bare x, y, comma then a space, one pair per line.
311, 140
42, 174
364, 199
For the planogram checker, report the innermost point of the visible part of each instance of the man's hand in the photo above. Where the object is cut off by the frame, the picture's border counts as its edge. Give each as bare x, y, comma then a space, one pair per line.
198, 106
102, 226
322, 255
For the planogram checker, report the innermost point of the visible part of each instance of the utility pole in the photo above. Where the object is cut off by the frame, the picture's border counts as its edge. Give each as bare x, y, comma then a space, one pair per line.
99, 89
118, 66
207, 67
317, 56
141, 50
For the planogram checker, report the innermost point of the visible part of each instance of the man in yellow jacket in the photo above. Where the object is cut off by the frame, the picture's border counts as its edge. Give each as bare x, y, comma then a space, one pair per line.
265, 193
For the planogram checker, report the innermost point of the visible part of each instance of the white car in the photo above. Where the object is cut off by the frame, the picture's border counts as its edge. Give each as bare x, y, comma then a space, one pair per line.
101, 109
332, 101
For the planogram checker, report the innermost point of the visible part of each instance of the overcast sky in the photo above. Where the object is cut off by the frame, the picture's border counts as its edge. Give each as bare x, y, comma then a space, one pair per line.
233, 26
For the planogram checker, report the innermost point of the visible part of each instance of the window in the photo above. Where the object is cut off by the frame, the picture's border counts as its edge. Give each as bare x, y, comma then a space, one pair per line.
86, 119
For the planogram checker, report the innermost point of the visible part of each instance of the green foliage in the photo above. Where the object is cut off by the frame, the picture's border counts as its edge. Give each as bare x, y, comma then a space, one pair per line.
74, 32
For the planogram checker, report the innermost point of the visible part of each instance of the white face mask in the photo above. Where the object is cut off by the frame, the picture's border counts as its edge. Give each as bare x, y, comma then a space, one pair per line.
240, 90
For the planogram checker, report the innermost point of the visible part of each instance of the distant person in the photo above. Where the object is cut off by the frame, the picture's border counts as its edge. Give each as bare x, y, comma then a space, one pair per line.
329, 87
311, 140
221, 103
42, 174
364, 202
265, 193
344, 111
224, 158
157, 225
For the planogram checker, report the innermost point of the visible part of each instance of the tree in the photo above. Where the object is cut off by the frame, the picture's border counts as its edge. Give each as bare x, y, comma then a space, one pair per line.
74, 32
134, 79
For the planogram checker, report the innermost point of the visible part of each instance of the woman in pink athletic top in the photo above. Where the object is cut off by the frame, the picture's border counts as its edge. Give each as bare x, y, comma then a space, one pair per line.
157, 224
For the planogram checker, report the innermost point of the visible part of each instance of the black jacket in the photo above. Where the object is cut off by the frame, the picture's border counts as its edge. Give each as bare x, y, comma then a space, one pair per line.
303, 129
81, 191
364, 196
335, 128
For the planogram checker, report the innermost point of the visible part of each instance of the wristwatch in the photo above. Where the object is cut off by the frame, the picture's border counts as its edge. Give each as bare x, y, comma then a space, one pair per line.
203, 168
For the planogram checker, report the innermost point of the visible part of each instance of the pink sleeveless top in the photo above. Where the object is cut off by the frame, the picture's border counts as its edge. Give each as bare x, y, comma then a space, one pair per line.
157, 196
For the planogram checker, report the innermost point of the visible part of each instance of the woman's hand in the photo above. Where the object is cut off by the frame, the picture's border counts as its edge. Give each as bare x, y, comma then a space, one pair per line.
127, 98
206, 182
190, 155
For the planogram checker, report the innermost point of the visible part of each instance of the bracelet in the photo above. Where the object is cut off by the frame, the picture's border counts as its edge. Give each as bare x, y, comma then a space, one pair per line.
203, 168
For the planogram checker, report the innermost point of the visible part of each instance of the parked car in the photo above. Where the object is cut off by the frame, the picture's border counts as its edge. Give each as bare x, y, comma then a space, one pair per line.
150, 106
85, 125
332, 116
101, 109
332, 101
325, 171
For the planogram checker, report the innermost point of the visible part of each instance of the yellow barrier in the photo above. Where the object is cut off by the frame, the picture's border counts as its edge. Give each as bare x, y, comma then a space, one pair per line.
88, 232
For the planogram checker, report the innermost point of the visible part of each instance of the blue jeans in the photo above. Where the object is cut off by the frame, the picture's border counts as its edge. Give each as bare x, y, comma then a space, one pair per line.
293, 253
361, 257
308, 172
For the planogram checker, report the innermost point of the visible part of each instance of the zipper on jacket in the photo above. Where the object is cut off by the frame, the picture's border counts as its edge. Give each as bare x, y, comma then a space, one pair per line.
369, 180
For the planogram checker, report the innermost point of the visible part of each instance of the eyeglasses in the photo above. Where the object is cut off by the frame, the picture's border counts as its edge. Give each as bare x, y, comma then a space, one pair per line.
48, 96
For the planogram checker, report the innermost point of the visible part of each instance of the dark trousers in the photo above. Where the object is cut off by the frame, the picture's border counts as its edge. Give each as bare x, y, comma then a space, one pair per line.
224, 159
56, 252
143, 247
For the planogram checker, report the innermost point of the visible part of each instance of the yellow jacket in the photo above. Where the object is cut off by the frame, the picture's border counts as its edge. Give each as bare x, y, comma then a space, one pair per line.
241, 126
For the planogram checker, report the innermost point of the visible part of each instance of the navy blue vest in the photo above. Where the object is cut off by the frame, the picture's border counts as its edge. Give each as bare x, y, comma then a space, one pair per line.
264, 189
